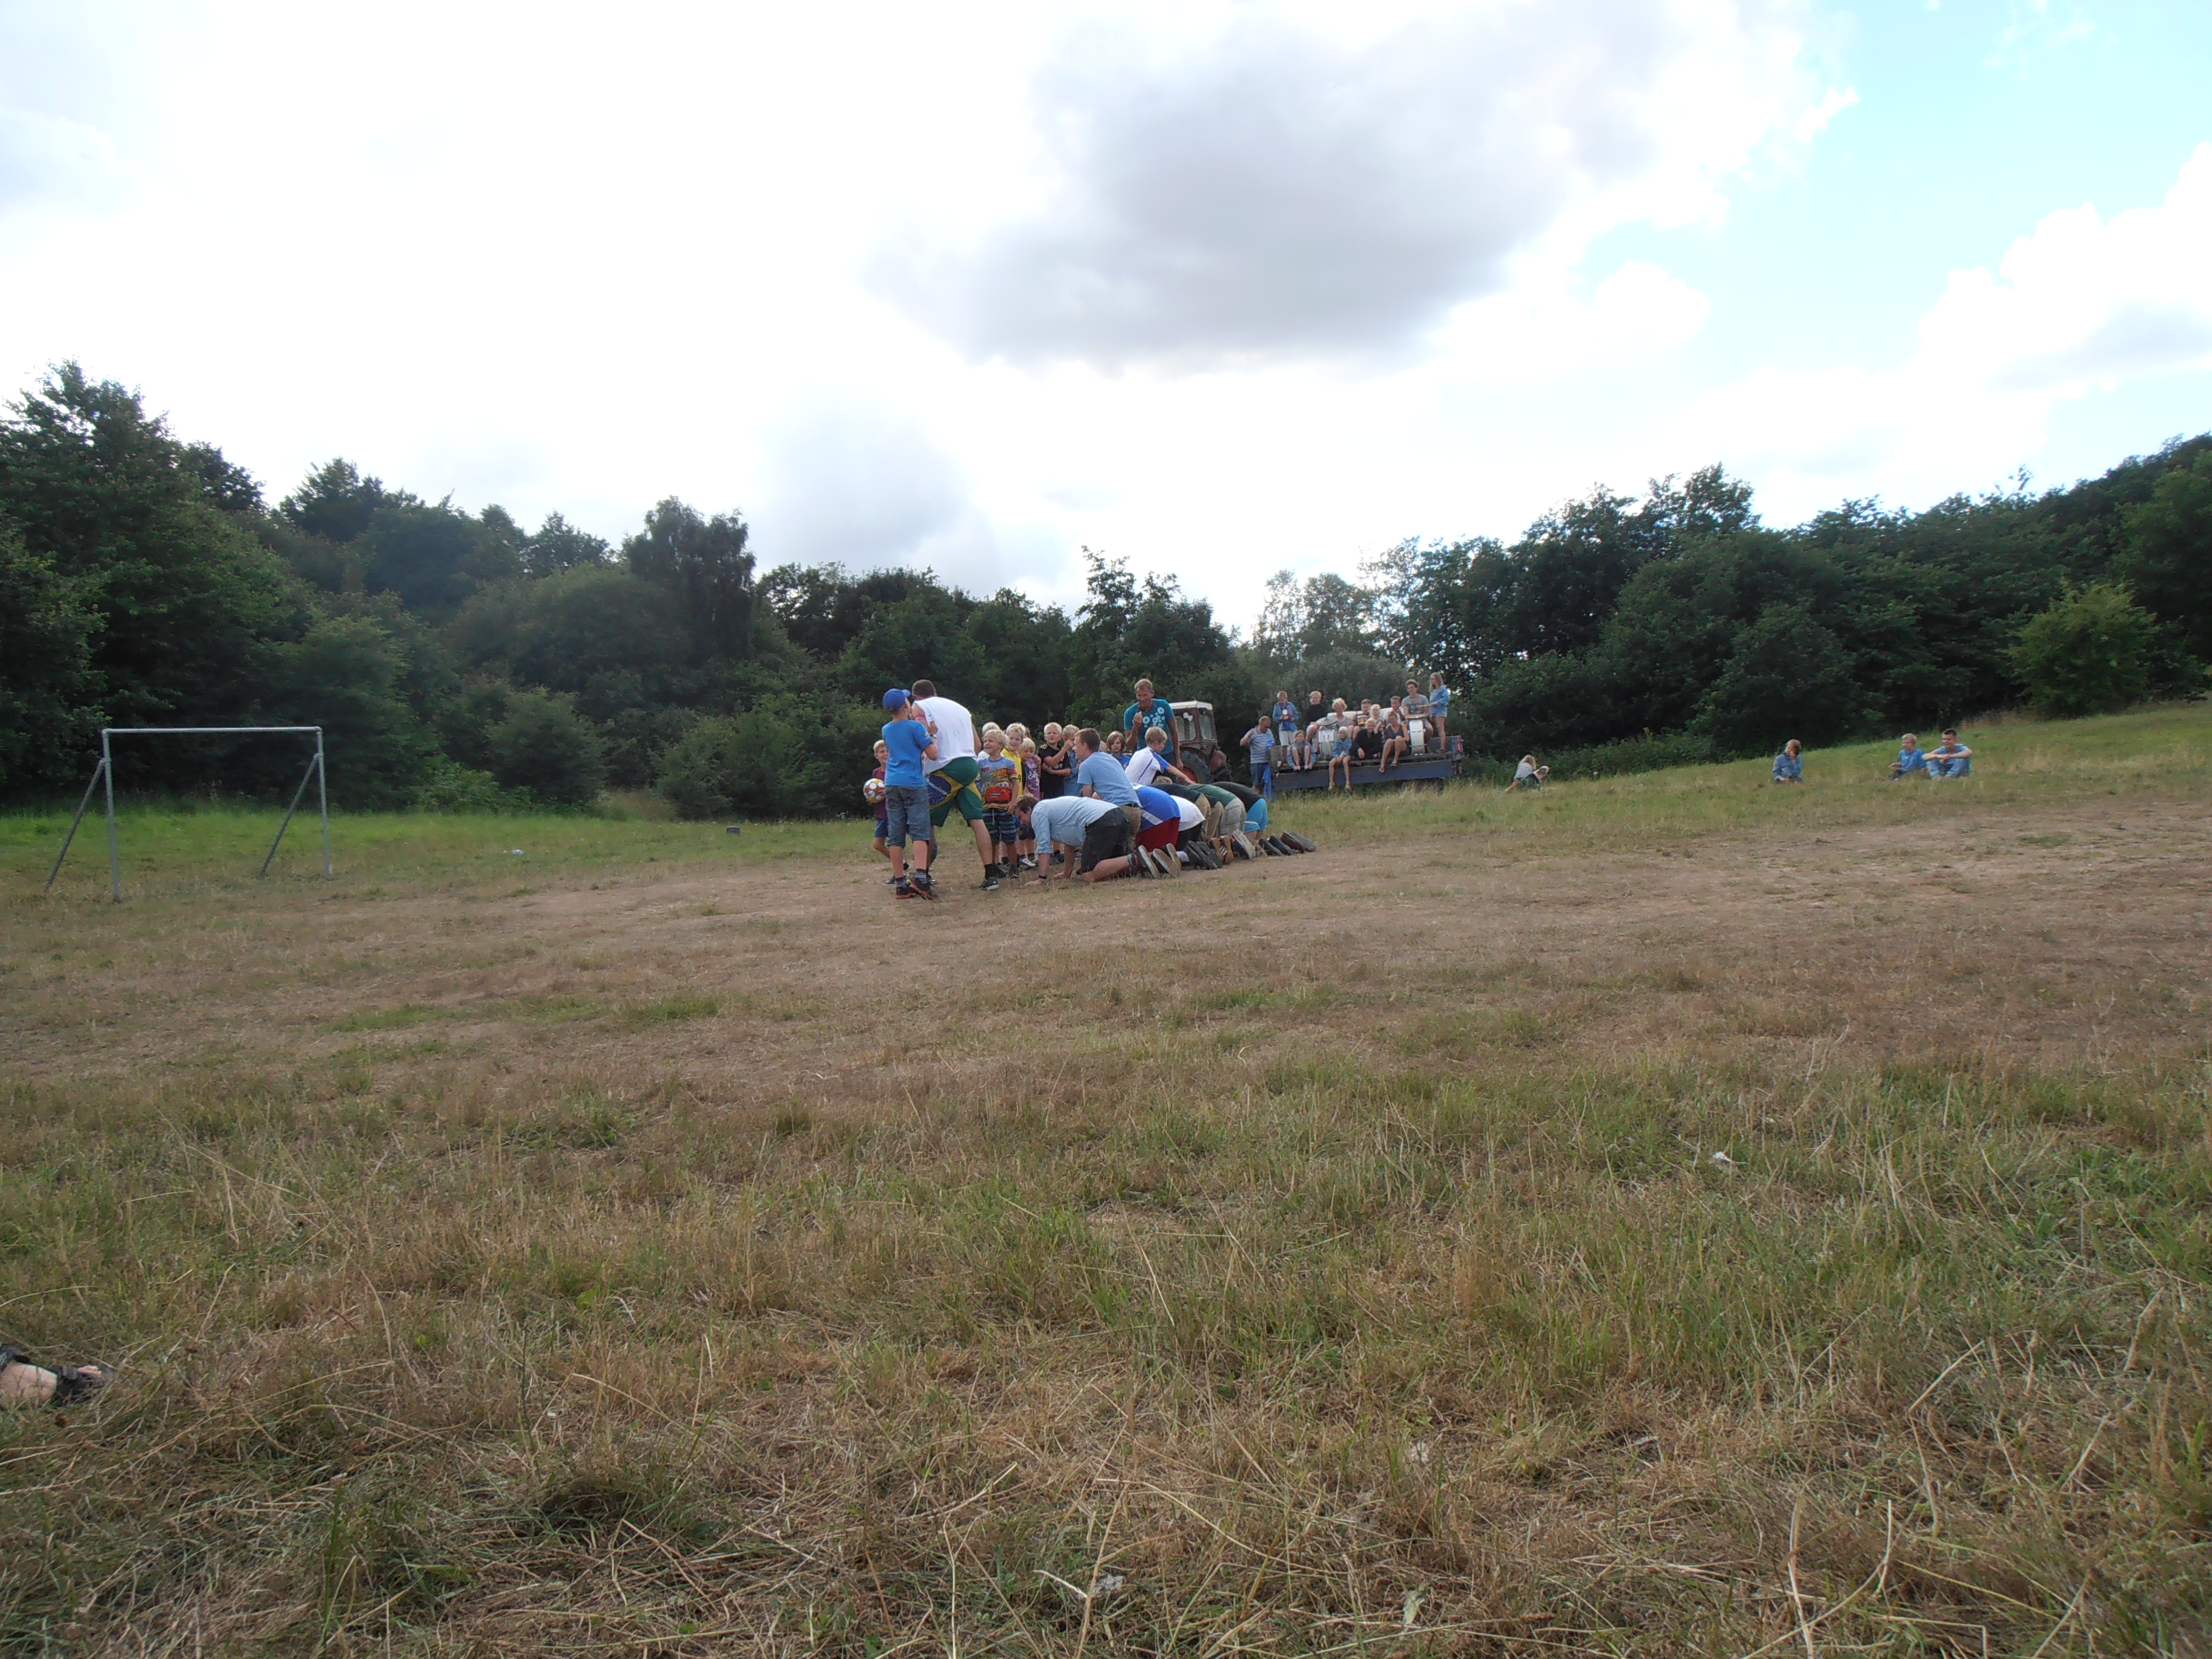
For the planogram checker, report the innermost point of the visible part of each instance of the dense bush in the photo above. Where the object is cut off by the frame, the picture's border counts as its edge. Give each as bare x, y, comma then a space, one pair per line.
2091, 653
541, 744
788, 757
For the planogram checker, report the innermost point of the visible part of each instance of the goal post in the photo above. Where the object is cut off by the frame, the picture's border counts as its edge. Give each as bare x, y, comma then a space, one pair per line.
104, 773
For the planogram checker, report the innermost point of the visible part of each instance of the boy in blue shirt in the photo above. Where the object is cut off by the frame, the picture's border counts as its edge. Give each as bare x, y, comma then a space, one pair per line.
1911, 760
906, 800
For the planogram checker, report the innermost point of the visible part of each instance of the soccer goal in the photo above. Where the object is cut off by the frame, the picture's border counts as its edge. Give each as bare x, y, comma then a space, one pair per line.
104, 773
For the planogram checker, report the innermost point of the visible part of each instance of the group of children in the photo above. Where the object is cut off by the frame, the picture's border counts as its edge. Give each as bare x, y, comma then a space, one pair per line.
1333, 734
1074, 805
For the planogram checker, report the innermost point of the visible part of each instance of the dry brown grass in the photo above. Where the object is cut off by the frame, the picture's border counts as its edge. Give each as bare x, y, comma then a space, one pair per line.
1329, 1256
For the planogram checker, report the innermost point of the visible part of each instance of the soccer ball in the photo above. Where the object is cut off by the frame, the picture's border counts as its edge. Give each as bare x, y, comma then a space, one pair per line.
873, 789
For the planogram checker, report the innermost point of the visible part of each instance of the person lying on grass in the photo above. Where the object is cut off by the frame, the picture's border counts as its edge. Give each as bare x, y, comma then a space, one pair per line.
1528, 775
26, 1385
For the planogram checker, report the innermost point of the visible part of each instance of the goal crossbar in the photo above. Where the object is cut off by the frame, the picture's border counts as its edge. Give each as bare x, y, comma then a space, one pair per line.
104, 771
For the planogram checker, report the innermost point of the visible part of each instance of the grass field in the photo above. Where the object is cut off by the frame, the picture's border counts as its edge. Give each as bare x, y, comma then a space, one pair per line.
1670, 1215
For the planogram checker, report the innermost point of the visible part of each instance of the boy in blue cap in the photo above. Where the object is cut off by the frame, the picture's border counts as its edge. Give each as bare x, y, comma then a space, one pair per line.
906, 800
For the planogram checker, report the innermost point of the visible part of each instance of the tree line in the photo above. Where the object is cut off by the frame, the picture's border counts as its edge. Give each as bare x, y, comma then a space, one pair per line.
458, 659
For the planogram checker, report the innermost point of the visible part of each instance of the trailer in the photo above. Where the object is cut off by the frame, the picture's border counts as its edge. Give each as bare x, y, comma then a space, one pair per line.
1435, 767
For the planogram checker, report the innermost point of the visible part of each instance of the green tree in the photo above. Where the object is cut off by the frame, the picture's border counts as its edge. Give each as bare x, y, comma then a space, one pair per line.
1786, 677
558, 545
542, 744
434, 556
2091, 652
705, 564
921, 636
334, 502
183, 594
347, 675
2167, 556
46, 684
791, 756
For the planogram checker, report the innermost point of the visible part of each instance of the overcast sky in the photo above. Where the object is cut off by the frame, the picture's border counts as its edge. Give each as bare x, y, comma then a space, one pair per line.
1221, 287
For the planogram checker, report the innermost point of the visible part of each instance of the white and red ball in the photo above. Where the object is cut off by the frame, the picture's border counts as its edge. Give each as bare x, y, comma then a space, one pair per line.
874, 791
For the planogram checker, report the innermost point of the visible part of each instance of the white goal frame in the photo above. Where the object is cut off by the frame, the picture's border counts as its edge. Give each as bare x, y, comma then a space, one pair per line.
106, 769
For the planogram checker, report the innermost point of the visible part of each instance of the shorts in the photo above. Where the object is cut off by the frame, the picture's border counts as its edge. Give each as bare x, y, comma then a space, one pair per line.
1108, 837
1161, 835
1004, 824
906, 812
882, 824
956, 778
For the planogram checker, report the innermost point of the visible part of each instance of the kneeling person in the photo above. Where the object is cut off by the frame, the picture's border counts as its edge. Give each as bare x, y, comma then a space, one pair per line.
1095, 829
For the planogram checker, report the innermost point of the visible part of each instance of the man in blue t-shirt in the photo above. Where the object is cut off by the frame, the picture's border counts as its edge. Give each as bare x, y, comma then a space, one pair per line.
1148, 713
1099, 775
905, 799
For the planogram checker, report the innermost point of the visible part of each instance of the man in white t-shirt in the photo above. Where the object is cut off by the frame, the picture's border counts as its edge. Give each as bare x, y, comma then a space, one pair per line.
1150, 764
952, 778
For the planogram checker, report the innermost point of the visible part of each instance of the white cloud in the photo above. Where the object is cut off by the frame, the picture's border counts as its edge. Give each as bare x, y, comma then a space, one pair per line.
2082, 302
1267, 189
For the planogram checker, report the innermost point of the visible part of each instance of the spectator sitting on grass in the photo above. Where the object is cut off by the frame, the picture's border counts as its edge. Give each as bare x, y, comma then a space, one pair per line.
1912, 759
1150, 763
1950, 758
1094, 832
1789, 764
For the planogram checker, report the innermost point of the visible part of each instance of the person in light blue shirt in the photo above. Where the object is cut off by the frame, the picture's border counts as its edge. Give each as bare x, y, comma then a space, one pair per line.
1911, 760
1950, 758
1260, 744
1255, 818
1439, 703
1100, 775
1789, 764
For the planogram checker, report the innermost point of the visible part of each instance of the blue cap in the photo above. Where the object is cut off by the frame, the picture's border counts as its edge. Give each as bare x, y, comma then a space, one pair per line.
894, 698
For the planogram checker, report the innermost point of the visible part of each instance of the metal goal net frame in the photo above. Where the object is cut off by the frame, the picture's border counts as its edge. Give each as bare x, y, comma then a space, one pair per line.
104, 771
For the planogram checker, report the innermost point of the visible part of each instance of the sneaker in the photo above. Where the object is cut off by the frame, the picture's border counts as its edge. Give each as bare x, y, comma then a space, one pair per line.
1024, 864
906, 889
990, 882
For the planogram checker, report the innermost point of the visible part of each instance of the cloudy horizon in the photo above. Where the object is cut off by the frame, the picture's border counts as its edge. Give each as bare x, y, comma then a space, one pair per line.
1222, 289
